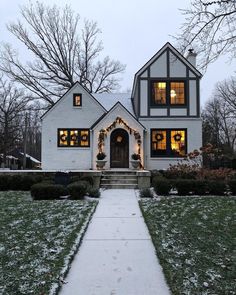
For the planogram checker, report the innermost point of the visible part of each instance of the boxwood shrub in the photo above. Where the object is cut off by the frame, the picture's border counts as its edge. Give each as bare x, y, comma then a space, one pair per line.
162, 186
217, 188
200, 187
145, 193
77, 190
184, 186
46, 191
94, 193
232, 186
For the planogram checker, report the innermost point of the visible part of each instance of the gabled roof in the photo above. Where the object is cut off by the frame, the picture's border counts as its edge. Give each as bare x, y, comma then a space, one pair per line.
108, 100
76, 83
105, 115
157, 55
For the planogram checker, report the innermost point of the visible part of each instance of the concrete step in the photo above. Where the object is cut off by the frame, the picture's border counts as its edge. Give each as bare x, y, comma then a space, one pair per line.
119, 186
118, 173
115, 181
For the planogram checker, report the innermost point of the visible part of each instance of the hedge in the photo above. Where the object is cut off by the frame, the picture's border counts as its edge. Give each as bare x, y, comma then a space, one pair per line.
161, 186
18, 182
46, 191
77, 190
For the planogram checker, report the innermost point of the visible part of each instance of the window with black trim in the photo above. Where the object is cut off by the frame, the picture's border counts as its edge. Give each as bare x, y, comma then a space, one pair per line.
73, 137
168, 142
77, 99
168, 93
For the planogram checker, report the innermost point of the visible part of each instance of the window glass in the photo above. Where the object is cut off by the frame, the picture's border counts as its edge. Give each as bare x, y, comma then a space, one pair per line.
159, 93
84, 138
159, 142
74, 138
77, 99
177, 93
178, 142
63, 138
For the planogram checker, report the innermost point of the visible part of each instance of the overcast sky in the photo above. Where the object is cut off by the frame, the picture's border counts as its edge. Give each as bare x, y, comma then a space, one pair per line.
132, 32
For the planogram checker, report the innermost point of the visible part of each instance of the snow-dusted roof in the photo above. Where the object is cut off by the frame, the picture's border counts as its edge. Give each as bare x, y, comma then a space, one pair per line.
108, 100
31, 158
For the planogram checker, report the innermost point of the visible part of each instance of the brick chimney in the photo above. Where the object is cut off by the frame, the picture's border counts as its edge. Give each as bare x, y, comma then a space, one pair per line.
191, 57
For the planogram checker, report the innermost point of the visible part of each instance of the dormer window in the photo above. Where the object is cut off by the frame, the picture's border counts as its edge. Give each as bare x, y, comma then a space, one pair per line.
168, 93
77, 99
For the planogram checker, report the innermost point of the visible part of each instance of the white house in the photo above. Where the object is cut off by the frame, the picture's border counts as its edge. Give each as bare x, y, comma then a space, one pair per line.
160, 120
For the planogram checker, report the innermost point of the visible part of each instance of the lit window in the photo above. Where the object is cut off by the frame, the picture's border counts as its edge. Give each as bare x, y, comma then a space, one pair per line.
177, 93
73, 138
178, 142
84, 138
159, 93
63, 138
77, 99
167, 93
158, 142
168, 143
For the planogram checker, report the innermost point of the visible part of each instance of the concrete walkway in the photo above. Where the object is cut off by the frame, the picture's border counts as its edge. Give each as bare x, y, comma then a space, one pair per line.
117, 256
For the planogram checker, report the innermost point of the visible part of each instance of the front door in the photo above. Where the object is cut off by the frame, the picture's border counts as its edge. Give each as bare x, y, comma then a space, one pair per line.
119, 149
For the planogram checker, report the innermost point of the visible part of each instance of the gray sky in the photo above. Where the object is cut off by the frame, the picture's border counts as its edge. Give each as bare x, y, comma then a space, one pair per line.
132, 32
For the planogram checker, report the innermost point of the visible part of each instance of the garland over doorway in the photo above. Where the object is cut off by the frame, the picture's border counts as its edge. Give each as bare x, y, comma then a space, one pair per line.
103, 133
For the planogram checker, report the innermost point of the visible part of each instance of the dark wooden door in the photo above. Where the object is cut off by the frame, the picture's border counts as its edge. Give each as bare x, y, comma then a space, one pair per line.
119, 149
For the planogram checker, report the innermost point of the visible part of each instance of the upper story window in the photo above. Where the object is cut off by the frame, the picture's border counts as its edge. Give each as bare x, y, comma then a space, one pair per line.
168, 93
77, 99
168, 143
73, 137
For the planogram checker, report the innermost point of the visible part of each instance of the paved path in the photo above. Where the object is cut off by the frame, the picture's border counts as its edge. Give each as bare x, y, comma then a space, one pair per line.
117, 256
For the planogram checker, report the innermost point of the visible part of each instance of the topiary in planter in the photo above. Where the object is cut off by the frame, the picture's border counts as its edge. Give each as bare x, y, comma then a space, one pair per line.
161, 186
77, 190
45, 191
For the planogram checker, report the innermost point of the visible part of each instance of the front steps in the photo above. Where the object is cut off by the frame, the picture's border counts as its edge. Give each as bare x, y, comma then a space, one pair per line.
118, 179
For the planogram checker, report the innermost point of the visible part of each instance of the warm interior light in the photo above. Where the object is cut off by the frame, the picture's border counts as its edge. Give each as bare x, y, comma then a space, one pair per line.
172, 93
161, 85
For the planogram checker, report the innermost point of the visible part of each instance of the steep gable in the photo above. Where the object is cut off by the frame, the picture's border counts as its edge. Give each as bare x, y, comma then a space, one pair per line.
66, 101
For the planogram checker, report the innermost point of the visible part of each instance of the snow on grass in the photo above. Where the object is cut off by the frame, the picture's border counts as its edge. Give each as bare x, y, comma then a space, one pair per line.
195, 242
38, 240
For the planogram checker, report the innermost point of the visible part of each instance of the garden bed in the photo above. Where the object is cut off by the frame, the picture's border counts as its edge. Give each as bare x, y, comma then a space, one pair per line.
193, 237
38, 241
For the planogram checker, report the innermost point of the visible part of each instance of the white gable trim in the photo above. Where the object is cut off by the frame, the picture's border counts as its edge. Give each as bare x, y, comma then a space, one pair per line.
67, 93
114, 109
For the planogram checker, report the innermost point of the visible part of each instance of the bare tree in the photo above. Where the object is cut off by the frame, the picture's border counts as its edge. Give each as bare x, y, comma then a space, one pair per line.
226, 91
61, 54
13, 103
210, 28
219, 117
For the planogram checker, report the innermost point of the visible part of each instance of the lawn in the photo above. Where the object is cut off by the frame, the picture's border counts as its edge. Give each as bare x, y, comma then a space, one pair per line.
195, 241
38, 240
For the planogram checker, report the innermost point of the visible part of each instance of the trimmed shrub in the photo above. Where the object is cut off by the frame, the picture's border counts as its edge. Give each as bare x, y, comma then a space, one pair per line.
145, 193
4, 182
89, 179
184, 186
200, 187
94, 193
162, 186
78, 189
217, 188
44, 191
232, 186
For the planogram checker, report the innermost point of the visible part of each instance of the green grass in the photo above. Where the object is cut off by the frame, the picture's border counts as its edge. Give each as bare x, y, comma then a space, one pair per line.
195, 240
37, 241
